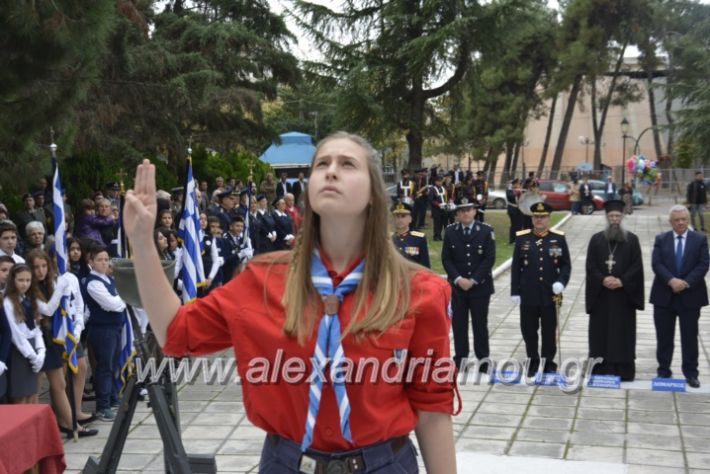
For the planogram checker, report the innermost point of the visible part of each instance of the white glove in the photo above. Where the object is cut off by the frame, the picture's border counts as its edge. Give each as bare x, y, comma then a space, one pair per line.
558, 287
246, 253
515, 299
62, 284
3, 367
220, 261
289, 237
37, 362
272, 236
78, 328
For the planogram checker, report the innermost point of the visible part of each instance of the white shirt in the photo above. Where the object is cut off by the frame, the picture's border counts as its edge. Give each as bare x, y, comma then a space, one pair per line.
101, 295
22, 334
14, 256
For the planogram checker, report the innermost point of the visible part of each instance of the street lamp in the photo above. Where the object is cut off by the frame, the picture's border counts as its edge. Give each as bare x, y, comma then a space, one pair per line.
524, 143
624, 131
586, 141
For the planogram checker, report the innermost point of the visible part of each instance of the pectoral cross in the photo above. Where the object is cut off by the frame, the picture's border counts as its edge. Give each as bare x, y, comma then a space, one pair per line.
610, 262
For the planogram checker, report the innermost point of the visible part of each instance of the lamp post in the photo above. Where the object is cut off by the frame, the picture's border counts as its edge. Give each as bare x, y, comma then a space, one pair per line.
586, 141
624, 132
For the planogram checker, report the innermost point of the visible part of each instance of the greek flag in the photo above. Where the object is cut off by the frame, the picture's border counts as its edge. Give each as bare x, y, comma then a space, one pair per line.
62, 323
128, 352
192, 274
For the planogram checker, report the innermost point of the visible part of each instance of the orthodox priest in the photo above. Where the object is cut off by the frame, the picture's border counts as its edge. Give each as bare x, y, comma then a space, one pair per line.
614, 293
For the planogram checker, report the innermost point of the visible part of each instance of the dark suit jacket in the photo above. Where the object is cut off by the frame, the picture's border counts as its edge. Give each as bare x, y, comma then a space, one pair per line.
280, 191
470, 257
695, 266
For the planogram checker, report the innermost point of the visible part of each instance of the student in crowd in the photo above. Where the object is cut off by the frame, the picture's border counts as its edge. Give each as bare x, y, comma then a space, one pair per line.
77, 261
89, 225
165, 219
8, 241
28, 350
6, 263
376, 303
5, 346
106, 308
161, 243
48, 290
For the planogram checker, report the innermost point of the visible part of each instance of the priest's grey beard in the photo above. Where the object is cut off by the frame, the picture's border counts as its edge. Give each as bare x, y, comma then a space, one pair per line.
615, 232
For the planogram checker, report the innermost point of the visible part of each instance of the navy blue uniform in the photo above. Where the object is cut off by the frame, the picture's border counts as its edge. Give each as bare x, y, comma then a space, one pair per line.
539, 262
470, 254
266, 225
413, 246
5, 346
284, 227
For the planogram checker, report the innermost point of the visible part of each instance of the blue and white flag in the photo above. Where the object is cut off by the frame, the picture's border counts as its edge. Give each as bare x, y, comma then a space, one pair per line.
192, 273
128, 352
62, 323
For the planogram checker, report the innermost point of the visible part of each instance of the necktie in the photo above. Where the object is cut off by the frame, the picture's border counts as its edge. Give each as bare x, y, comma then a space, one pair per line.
466, 231
679, 255
329, 347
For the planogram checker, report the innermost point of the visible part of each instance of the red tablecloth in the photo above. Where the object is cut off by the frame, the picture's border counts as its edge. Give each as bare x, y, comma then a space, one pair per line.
29, 435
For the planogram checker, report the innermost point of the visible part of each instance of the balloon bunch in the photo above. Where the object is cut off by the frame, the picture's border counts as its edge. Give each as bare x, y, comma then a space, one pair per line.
642, 168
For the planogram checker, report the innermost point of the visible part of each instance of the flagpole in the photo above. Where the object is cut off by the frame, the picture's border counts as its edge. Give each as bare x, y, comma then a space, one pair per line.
70, 372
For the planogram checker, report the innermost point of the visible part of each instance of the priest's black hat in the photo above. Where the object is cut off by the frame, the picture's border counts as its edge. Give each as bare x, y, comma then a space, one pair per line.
614, 205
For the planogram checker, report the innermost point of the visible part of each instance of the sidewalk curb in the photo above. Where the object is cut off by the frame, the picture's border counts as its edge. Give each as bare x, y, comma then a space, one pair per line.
503, 267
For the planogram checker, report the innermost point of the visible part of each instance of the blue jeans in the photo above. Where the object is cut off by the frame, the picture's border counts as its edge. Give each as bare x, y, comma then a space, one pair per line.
280, 455
106, 342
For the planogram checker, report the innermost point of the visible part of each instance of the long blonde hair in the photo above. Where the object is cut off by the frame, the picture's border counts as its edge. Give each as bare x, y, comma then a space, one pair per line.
386, 275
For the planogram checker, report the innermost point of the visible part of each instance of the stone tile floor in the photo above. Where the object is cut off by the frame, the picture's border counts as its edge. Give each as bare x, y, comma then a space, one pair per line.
516, 427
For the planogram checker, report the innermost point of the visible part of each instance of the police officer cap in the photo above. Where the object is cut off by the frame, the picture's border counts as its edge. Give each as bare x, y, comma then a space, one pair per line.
243, 192
464, 203
37, 194
113, 186
540, 209
614, 205
176, 190
401, 208
227, 192
259, 197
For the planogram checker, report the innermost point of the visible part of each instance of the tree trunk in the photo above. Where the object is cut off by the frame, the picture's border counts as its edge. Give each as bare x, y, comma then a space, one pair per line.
548, 133
654, 117
599, 130
597, 160
514, 166
564, 130
508, 163
415, 138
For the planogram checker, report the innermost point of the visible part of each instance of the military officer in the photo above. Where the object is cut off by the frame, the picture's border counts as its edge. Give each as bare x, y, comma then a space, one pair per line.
541, 268
468, 254
411, 244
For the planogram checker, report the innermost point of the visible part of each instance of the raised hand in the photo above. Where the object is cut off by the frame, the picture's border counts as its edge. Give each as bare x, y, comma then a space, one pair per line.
140, 208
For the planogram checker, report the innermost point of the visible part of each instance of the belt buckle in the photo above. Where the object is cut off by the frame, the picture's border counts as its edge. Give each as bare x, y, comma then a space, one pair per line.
307, 465
337, 466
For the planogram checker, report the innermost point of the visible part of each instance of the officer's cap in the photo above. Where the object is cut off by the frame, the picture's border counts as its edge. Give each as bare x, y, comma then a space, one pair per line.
614, 205
540, 209
227, 192
176, 190
259, 197
243, 192
464, 203
401, 208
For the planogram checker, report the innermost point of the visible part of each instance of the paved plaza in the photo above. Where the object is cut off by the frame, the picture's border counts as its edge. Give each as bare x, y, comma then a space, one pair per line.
501, 428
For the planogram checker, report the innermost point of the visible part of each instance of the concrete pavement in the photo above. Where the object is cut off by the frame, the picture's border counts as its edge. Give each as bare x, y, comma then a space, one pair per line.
501, 428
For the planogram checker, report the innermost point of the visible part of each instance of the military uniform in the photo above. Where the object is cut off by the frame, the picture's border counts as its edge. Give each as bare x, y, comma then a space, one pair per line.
539, 261
470, 252
413, 245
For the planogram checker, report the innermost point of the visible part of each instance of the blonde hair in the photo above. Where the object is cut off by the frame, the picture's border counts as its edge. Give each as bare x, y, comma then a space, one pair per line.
385, 277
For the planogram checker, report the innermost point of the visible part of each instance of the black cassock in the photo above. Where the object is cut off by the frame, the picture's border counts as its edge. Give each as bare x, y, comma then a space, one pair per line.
612, 313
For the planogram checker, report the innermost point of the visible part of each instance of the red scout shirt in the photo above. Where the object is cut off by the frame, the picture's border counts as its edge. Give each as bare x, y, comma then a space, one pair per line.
247, 314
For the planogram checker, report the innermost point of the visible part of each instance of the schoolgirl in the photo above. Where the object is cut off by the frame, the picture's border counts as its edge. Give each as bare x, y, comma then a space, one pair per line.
28, 350
48, 289
376, 304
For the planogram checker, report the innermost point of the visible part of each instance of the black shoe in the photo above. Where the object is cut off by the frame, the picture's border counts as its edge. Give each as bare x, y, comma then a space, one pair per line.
89, 419
664, 373
81, 432
550, 368
693, 382
483, 368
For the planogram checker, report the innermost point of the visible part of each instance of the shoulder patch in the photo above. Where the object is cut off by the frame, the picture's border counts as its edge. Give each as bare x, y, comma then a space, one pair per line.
416, 233
522, 232
558, 232
452, 224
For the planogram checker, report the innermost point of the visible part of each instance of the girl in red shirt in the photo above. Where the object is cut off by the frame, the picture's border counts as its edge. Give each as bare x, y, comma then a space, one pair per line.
342, 345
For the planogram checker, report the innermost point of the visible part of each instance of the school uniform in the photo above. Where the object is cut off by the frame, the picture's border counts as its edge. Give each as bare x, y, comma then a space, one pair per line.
5, 348
247, 315
53, 359
27, 345
266, 226
107, 314
284, 228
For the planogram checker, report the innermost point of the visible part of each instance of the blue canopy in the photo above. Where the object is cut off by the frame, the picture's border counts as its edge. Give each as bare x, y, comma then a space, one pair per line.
295, 150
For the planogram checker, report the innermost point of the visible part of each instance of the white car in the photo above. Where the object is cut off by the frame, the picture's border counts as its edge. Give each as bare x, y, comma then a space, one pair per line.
497, 200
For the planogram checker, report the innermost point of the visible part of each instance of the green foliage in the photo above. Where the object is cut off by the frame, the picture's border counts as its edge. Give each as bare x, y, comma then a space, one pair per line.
208, 164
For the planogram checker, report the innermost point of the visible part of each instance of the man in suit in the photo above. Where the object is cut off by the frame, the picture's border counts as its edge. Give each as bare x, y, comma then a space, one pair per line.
585, 192
609, 189
697, 198
541, 268
680, 261
468, 254
284, 187
298, 189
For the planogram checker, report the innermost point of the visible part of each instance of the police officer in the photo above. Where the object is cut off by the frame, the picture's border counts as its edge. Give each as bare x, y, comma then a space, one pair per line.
541, 268
411, 244
468, 254
480, 187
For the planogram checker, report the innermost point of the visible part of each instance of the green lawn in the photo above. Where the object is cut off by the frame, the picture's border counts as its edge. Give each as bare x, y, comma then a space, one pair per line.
501, 224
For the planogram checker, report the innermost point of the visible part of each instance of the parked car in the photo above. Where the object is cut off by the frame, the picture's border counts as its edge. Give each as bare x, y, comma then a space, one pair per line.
598, 186
558, 193
497, 200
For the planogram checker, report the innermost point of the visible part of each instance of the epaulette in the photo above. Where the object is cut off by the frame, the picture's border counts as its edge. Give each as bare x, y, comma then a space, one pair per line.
558, 232
452, 224
416, 233
522, 232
